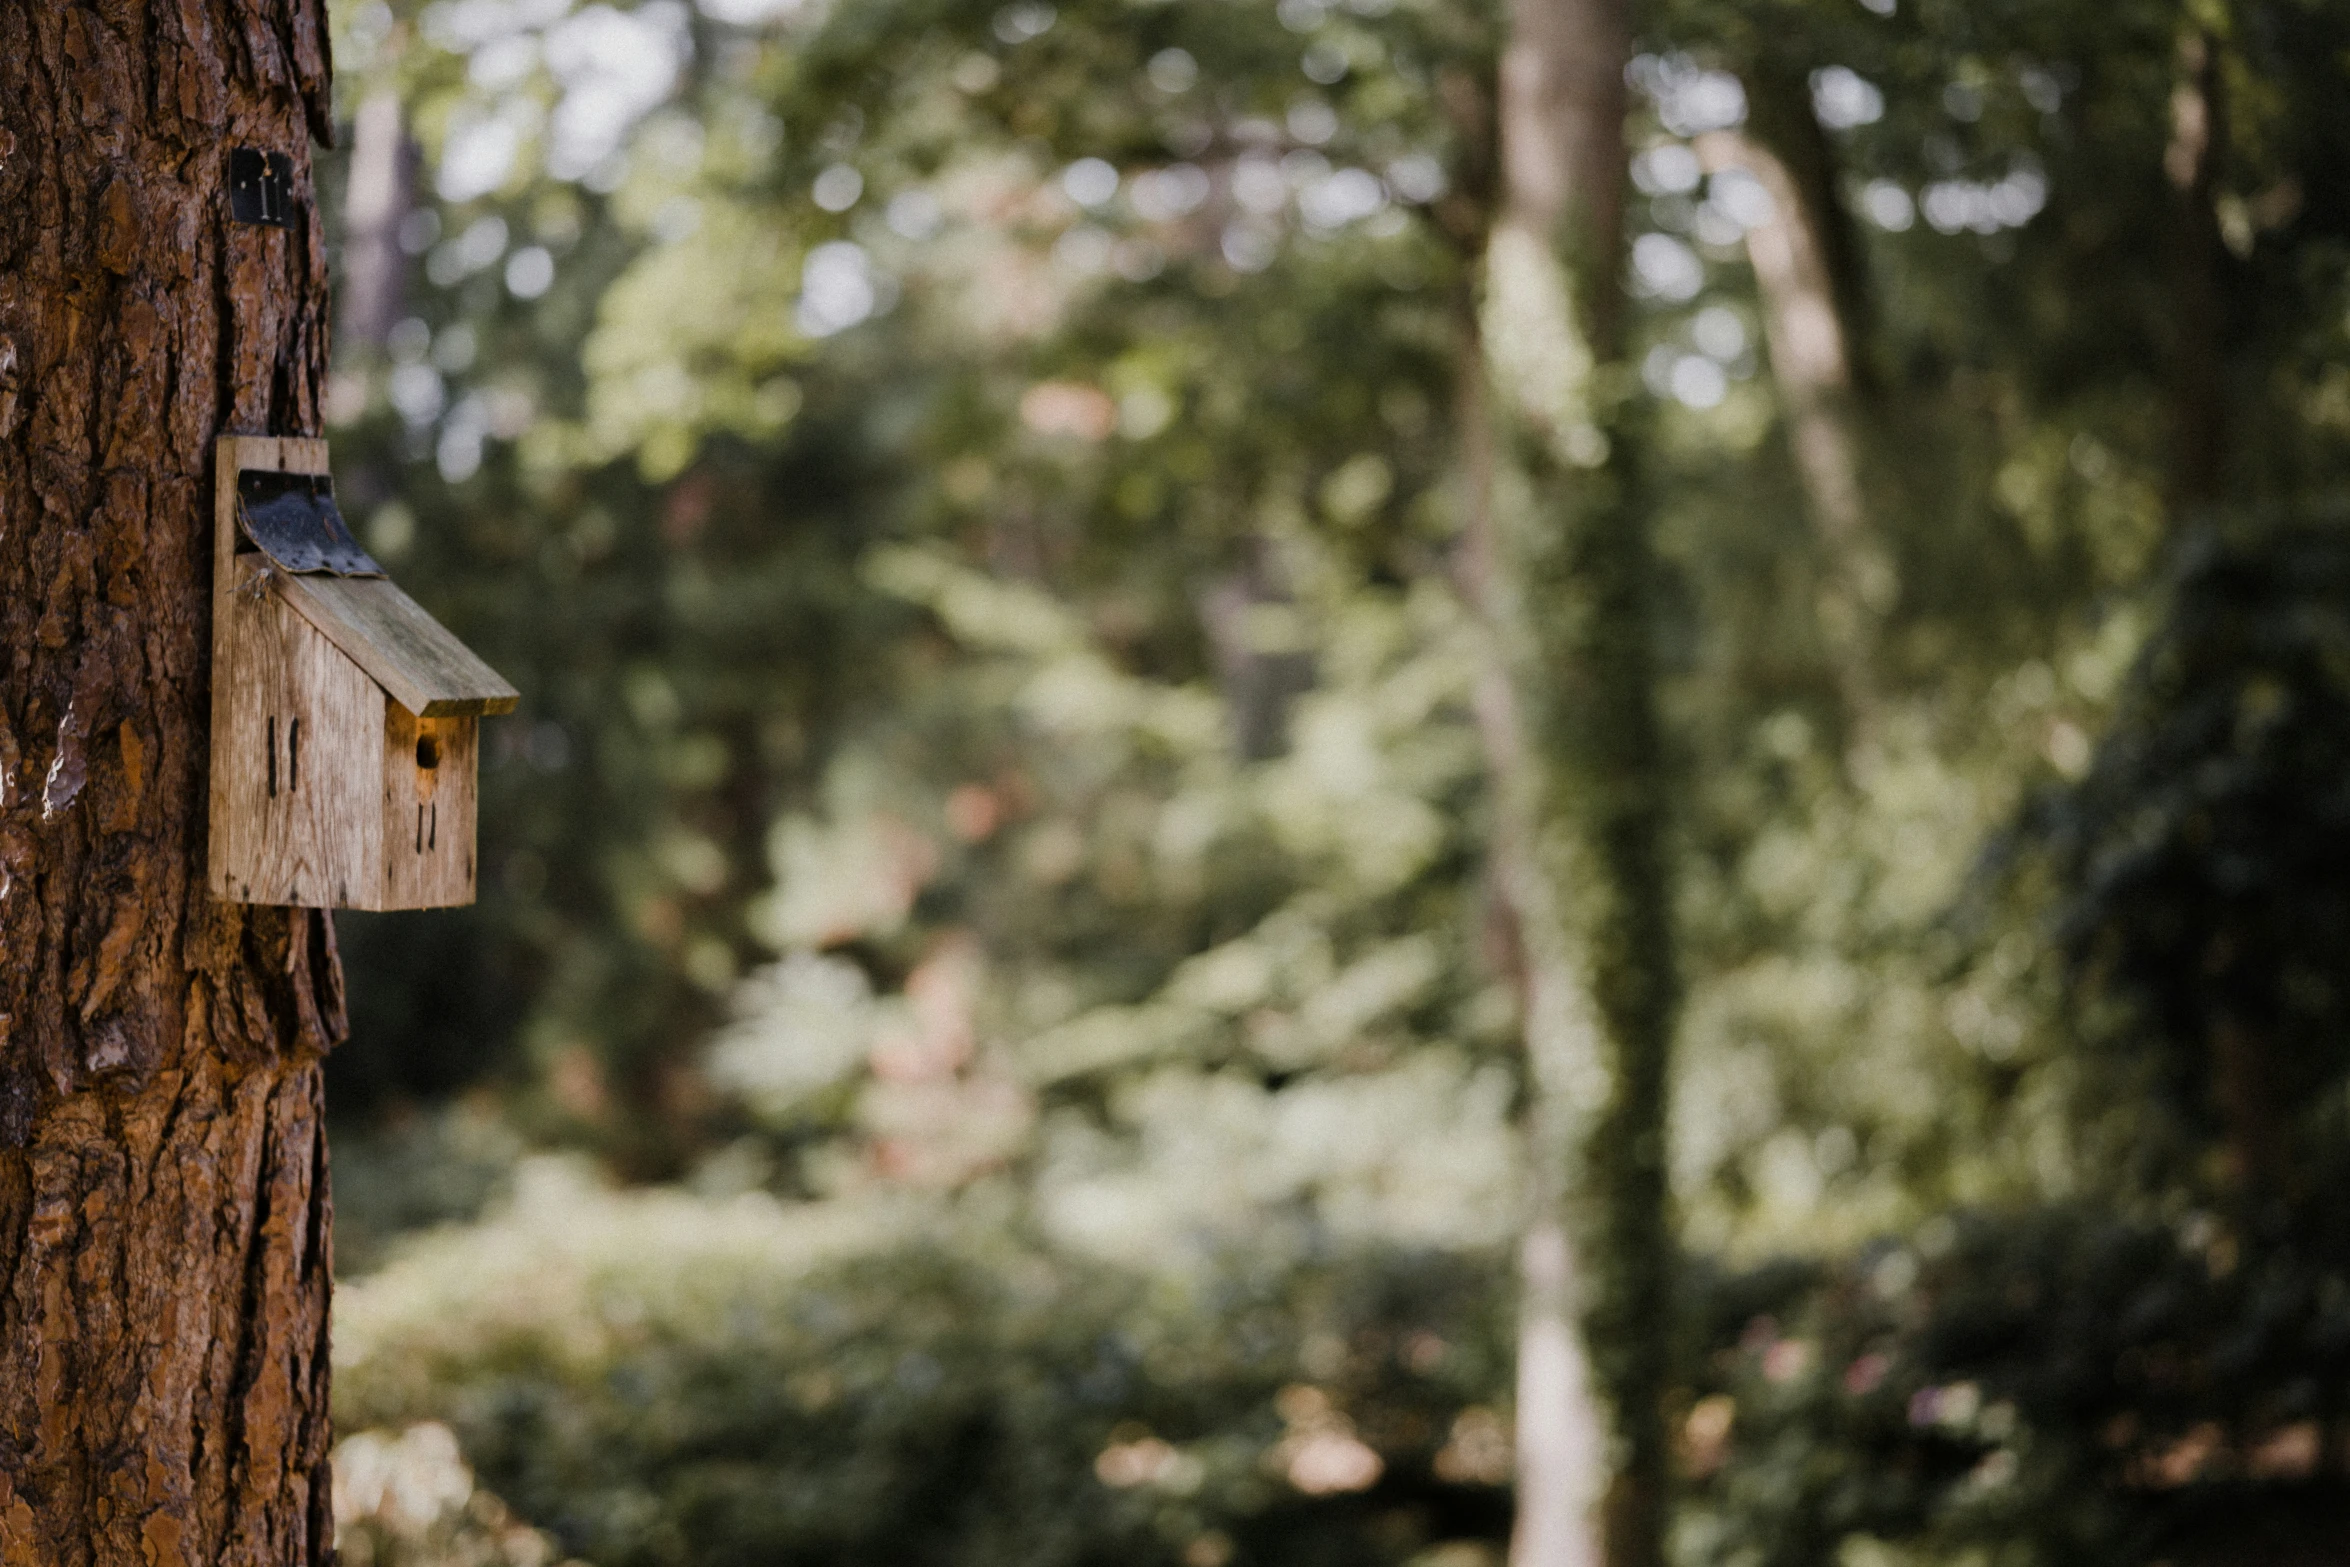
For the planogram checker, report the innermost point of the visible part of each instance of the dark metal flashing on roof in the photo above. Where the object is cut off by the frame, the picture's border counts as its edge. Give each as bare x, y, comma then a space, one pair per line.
292, 518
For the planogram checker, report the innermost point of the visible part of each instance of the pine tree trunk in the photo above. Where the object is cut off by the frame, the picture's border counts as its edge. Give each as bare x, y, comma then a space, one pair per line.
1576, 584
164, 1224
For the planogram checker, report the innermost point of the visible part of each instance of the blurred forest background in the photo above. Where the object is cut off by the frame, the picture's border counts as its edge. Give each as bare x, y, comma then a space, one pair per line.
993, 1032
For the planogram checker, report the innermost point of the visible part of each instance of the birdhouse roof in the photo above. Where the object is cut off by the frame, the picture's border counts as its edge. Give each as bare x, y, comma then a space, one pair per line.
416, 659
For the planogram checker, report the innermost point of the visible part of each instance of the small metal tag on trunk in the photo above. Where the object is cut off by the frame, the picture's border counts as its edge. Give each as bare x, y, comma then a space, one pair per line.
261, 187
292, 518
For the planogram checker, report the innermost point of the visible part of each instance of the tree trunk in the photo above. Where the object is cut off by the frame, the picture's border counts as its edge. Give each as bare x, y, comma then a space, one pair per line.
2243, 1075
1573, 587
2256, 1132
164, 1225
2191, 161
378, 198
1805, 326
1562, 1461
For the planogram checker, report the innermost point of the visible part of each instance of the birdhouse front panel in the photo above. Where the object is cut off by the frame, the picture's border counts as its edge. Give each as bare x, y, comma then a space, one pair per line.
428, 828
345, 720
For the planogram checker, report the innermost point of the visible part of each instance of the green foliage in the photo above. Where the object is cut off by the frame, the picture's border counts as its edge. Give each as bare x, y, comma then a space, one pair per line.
669, 1378
2206, 847
997, 824
2055, 1385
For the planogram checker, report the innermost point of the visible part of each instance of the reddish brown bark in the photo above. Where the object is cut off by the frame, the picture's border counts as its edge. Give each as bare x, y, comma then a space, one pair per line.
164, 1226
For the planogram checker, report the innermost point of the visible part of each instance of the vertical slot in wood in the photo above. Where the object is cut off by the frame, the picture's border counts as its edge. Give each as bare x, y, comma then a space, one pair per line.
272, 739
432, 836
293, 756
420, 829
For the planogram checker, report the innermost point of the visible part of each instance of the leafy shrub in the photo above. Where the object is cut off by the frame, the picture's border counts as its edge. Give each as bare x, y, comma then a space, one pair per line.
659, 1378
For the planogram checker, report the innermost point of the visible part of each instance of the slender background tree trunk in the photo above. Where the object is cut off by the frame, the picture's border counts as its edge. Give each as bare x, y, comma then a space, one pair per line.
1562, 1436
2198, 399
2243, 1075
378, 198
1570, 596
1807, 330
163, 1203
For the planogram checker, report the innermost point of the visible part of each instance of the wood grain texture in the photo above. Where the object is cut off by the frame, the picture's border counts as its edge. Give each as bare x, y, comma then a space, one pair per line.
164, 1219
297, 757
428, 812
411, 655
326, 792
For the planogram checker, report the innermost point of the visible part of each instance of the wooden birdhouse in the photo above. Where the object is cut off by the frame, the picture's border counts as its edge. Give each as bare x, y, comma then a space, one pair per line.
344, 718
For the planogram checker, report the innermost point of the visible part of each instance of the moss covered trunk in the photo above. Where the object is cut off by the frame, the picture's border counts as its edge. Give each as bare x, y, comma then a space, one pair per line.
1577, 585
163, 1203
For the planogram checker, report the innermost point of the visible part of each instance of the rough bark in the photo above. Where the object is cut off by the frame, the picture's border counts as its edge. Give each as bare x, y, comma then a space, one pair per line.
164, 1222
1580, 574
